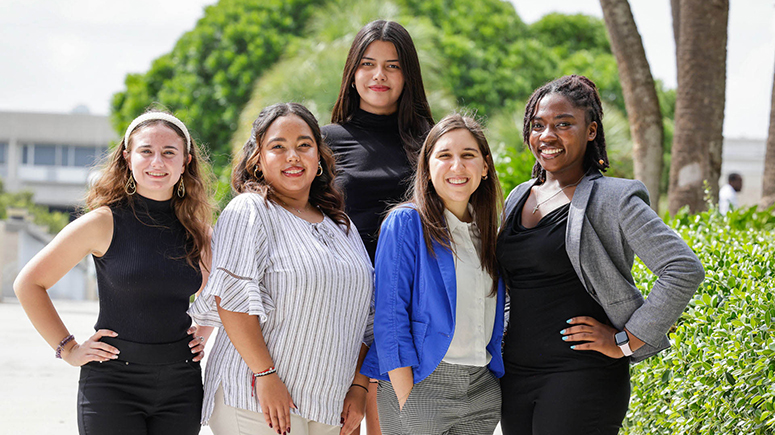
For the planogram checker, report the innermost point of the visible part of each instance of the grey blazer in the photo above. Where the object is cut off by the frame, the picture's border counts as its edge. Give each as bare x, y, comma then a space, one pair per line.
608, 222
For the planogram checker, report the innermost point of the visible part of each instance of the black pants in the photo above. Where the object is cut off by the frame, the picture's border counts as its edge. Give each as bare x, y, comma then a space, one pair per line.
117, 397
583, 402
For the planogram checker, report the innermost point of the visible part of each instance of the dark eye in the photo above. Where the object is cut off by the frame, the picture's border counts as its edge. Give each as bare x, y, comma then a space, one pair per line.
537, 126
394, 66
366, 63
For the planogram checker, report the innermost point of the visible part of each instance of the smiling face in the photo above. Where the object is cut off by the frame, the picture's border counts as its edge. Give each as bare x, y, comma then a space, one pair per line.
559, 134
288, 157
379, 79
157, 159
456, 167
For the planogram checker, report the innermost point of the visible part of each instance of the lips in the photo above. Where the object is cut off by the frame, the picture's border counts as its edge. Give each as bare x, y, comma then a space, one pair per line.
293, 172
378, 88
550, 152
457, 181
157, 174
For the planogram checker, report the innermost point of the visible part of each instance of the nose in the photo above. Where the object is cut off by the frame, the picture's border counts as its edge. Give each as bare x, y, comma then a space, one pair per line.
157, 159
548, 133
457, 163
379, 74
293, 155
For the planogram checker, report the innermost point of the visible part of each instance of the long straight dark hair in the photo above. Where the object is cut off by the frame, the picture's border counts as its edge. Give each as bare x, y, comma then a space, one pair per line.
414, 113
487, 200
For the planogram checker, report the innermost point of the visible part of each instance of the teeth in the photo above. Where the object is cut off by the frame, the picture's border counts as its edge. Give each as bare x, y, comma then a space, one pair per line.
293, 171
551, 151
458, 180
157, 174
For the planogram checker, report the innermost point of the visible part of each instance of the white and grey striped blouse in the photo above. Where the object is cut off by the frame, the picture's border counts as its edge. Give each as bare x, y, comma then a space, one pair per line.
311, 287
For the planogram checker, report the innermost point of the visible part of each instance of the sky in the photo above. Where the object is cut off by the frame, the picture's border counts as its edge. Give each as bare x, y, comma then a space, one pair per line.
57, 55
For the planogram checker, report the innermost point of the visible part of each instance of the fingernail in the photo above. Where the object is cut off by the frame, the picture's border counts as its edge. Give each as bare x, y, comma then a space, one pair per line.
569, 321
565, 338
341, 421
289, 428
562, 332
573, 347
270, 425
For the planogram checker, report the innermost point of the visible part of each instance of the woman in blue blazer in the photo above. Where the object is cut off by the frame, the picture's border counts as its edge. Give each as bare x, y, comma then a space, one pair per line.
566, 250
439, 307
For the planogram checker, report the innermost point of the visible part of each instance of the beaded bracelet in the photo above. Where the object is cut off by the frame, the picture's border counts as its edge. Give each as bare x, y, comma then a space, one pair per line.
268, 371
62, 344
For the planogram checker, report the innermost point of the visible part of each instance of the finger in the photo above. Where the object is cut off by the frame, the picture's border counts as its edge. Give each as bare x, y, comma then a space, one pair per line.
104, 346
285, 419
199, 357
101, 354
267, 416
103, 333
275, 421
191, 330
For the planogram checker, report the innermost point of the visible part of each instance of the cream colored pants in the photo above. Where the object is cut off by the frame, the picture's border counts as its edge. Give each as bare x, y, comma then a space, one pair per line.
227, 420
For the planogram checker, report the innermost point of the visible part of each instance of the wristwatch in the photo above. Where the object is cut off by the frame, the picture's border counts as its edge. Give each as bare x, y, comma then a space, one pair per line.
623, 341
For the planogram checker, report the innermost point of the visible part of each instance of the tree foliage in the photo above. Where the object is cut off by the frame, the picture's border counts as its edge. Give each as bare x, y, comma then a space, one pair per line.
53, 221
209, 74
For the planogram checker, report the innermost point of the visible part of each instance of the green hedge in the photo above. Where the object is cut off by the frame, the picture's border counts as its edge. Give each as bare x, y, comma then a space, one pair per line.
719, 376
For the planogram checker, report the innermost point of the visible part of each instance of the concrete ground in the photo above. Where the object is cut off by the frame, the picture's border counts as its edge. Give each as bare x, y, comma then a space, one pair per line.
38, 391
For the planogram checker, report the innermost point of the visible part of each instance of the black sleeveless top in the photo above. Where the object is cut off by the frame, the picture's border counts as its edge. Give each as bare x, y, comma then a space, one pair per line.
545, 292
374, 171
144, 281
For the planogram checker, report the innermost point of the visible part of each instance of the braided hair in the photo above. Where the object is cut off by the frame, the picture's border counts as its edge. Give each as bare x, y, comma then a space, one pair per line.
581, 92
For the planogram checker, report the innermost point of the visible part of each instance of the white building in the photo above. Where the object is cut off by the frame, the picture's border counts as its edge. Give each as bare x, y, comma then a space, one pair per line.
52, 154
745, 157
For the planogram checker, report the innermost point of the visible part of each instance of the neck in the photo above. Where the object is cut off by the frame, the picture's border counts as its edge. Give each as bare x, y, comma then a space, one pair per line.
298, 202
460, 210
564, 178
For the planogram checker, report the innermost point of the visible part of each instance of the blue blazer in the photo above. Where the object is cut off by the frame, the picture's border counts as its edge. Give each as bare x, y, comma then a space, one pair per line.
415, 301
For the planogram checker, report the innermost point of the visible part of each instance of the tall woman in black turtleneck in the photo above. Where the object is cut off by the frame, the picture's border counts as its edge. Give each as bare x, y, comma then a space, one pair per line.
378, 125
149, 233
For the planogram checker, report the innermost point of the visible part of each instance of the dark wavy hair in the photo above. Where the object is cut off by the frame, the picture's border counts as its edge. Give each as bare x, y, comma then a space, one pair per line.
323, 193
582, 93
487, 200
195, 210
414, 112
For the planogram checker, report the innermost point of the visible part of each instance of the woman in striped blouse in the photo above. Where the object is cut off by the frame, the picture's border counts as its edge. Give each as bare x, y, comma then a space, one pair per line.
291, 285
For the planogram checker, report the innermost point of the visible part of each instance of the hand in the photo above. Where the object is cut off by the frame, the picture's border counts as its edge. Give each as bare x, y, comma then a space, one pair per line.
403, 398
197, 345
353, 409
592, 335
275, 401
91, 350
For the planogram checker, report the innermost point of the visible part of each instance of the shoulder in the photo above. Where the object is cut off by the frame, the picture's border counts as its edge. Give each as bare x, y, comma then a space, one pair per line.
245, 207
401, 218
515, 194
96, 227
333, 133
609, 188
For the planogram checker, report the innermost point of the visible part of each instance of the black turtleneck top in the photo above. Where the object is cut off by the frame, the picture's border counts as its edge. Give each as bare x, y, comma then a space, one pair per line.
143, 279
373, 169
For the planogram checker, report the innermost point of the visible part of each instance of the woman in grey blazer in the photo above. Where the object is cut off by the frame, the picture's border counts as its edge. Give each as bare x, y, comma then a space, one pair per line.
566, 249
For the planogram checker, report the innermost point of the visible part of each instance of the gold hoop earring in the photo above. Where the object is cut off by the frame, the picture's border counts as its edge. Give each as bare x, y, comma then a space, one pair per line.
181, 188
130, 187
485, 176
320, 169
256, 173
352, 85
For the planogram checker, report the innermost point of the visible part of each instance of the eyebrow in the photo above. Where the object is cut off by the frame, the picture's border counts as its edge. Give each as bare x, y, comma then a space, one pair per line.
560, 116
164, 147
464, 149
282, 139
371, 58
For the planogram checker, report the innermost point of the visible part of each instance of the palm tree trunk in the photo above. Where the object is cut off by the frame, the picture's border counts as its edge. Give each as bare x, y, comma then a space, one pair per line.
768, 184
640, 94
699, 111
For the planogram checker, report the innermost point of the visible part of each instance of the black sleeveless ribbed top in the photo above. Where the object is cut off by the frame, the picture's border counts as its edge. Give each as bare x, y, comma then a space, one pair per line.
144, 281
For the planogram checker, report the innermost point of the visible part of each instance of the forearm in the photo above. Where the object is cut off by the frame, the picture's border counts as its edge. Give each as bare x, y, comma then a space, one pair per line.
41, 312
360, 379
244, 331
402, 380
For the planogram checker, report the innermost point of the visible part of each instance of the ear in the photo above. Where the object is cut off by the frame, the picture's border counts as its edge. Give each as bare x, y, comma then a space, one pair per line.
188, 160
592, 131
126, 157
485, 170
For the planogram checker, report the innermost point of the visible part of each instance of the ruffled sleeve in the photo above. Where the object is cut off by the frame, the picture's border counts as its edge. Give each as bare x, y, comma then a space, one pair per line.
239, 261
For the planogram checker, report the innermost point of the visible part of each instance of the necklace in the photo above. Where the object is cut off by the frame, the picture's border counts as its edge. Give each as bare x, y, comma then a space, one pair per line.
294, 208
535, 209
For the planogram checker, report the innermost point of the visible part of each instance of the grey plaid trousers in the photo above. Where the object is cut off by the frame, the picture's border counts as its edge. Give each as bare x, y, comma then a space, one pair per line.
453, 400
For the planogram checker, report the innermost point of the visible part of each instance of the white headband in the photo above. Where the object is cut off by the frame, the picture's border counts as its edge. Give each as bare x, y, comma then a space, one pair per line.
157, 115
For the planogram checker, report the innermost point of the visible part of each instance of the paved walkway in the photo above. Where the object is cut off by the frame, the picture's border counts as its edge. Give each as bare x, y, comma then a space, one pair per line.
37, 391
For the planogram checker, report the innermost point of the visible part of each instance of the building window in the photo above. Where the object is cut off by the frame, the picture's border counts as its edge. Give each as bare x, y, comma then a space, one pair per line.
84, 156
45, 155
3, 152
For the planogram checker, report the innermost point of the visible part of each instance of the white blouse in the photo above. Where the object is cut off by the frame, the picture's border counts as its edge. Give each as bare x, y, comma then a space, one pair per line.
475, 310
311, 286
